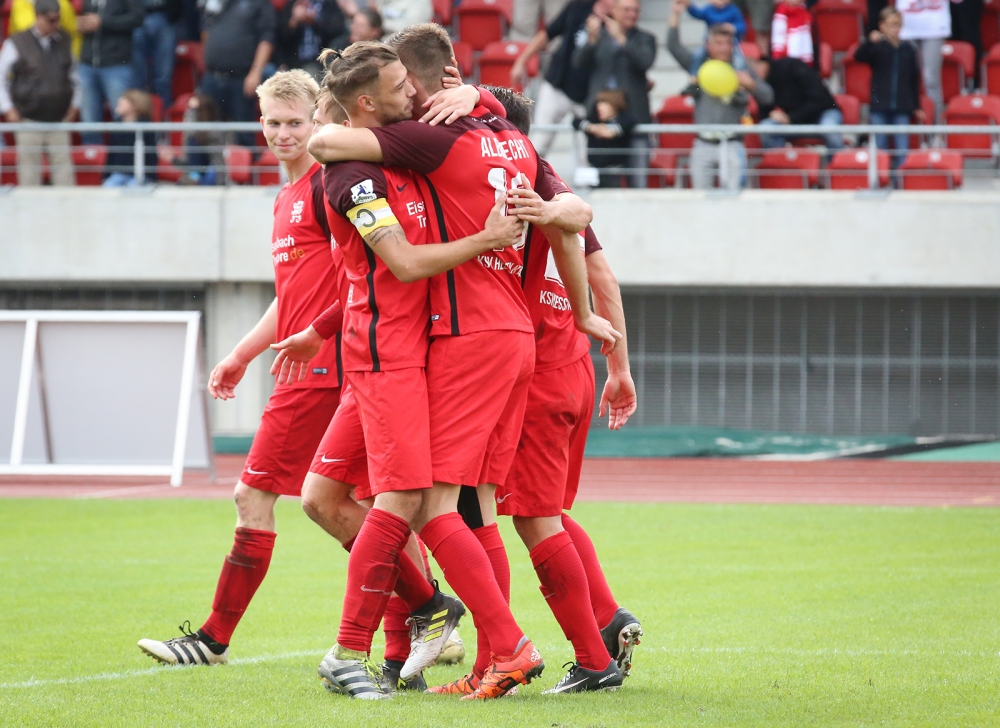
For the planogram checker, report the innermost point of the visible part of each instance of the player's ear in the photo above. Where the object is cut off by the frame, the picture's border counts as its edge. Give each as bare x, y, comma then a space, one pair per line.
365, 103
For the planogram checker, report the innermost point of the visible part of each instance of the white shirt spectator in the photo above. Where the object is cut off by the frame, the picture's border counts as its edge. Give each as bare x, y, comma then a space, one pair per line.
924, 19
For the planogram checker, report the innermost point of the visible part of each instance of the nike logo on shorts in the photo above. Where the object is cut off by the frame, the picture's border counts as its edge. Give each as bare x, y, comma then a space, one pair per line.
256, 472
501, 500
325, 459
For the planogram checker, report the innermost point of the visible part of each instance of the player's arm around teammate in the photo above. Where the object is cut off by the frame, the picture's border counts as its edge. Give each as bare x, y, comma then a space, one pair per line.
618, 399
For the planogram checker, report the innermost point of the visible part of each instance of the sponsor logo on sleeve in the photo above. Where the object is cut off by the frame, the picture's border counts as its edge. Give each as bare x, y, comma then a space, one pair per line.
363, 192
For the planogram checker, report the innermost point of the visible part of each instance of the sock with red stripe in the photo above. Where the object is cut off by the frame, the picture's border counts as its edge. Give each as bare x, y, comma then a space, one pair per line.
564, 586
489, 537
397, 632
371, 576
242, 572
467, 569
601, 598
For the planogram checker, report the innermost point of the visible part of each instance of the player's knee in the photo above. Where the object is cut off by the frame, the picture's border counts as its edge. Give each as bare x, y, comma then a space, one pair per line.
253, 505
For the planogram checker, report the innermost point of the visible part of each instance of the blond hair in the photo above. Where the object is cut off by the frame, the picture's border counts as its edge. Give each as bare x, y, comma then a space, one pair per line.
290, 86
425, 49
329, 107
141, 101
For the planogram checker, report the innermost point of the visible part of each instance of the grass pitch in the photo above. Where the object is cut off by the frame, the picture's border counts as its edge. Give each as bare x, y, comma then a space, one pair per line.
754, 615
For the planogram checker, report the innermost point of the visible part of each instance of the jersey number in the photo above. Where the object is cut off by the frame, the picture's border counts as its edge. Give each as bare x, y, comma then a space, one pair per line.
500, 183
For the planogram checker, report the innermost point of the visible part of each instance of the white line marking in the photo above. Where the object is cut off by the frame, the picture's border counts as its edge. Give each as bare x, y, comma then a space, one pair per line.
823, 652
121, 491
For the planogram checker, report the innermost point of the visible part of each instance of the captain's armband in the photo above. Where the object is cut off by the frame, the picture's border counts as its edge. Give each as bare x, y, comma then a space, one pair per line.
370, 216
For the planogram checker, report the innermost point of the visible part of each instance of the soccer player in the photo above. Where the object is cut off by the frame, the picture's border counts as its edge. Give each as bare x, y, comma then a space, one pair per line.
297, 414
482, 349
381, 212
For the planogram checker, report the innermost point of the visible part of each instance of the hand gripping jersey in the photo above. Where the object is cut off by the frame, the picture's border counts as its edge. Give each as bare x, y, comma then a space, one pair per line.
467, 165
385, 322
304, 270
557, 340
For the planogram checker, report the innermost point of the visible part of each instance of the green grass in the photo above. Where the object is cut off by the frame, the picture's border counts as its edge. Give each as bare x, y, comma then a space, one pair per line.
754, 615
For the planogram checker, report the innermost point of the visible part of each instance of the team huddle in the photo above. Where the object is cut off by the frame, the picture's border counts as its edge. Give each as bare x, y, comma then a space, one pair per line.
432, 372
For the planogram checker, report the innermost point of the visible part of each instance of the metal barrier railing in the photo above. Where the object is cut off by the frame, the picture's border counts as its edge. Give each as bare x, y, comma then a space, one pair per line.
987, 146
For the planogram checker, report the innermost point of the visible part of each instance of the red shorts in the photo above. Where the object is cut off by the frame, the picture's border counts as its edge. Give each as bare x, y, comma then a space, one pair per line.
393, 409
477, 386
291, 427
546, 473
341, 454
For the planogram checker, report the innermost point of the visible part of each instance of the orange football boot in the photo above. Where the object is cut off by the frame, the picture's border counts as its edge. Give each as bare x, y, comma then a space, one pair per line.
504, 675
465, 685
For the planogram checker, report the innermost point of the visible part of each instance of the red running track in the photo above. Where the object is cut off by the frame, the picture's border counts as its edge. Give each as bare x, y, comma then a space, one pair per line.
675, 480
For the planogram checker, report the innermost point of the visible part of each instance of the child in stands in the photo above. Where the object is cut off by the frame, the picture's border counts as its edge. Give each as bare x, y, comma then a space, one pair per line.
724, 13
791, 31
608, 127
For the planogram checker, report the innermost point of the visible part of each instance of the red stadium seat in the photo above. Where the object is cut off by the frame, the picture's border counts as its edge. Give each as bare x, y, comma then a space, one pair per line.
750, 50
267, 169
973, 110
5, 17
238, 164
89, 162
676, 110
840, 23
788, 169
991, 71
157, 107
444, 11
848, 170
751, 36
189, 65
825, 60
481, 22
498, 58
463, 55
165, 169
662, 170
931, 169
989, 28
927, 106
850, 107
958, 68
176, 114
8, 166
857, 77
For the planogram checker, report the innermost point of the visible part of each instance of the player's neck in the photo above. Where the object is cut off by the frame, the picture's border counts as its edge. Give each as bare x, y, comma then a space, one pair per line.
297, 168
363, 120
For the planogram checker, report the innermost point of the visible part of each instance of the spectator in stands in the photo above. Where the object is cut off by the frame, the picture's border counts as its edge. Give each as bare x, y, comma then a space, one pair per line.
529, 13
396, 14
719, 12
562, 91
966, 22
203, 158
153, 46
39, 82
305, 27
617, 55
22, 17
239, 40
760, 12
791, 31
928, 24
706, 154
106, 55
133, 106
895, 91
800, 97
366, 25
608, 127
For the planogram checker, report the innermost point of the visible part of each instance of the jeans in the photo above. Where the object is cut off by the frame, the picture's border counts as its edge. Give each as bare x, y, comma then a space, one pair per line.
153, 42
227, 92
100, 86
900, 142
931, 56
830, 117
705, 160
639, 161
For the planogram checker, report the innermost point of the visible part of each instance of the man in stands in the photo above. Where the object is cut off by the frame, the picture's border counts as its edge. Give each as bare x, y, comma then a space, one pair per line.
482, 351
298, 413
800, 97
39, 82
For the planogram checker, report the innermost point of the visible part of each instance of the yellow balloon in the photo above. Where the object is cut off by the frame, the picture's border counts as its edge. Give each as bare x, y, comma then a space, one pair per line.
718, 78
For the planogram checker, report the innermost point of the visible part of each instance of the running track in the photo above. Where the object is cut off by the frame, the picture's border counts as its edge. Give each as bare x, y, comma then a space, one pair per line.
680, 480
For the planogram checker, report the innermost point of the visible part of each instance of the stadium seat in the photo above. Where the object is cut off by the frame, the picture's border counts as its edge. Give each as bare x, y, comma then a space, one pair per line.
8, 166
989, 28
750, 50
788, 169
850, 107
238, 164
498, 58
848, 170
662, 170
176, 114
157, 103
840, 23
463, 55
166, 171
857, 77
266, 170
5, 18
89, 162
444, 11
958, 68
973, 110
676, 110
991, 70
481, 22
189, 65
825, 60
927, 106
931, 169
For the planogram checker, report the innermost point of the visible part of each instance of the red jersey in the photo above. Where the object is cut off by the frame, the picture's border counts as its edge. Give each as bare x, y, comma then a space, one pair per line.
304, 270
468, 164
558, 343
385, 321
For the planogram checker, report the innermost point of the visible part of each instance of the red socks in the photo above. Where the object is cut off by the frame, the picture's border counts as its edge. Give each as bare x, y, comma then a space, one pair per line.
397, 632
425, 561
564, 586
371, 575
601, 598
489, 537
412, 585
242, 572
469, 571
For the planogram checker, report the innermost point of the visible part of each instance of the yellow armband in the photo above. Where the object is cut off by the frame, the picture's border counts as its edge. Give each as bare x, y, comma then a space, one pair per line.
370, 216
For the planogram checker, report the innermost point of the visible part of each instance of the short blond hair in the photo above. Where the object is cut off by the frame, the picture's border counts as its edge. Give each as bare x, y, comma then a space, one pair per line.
290, 86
